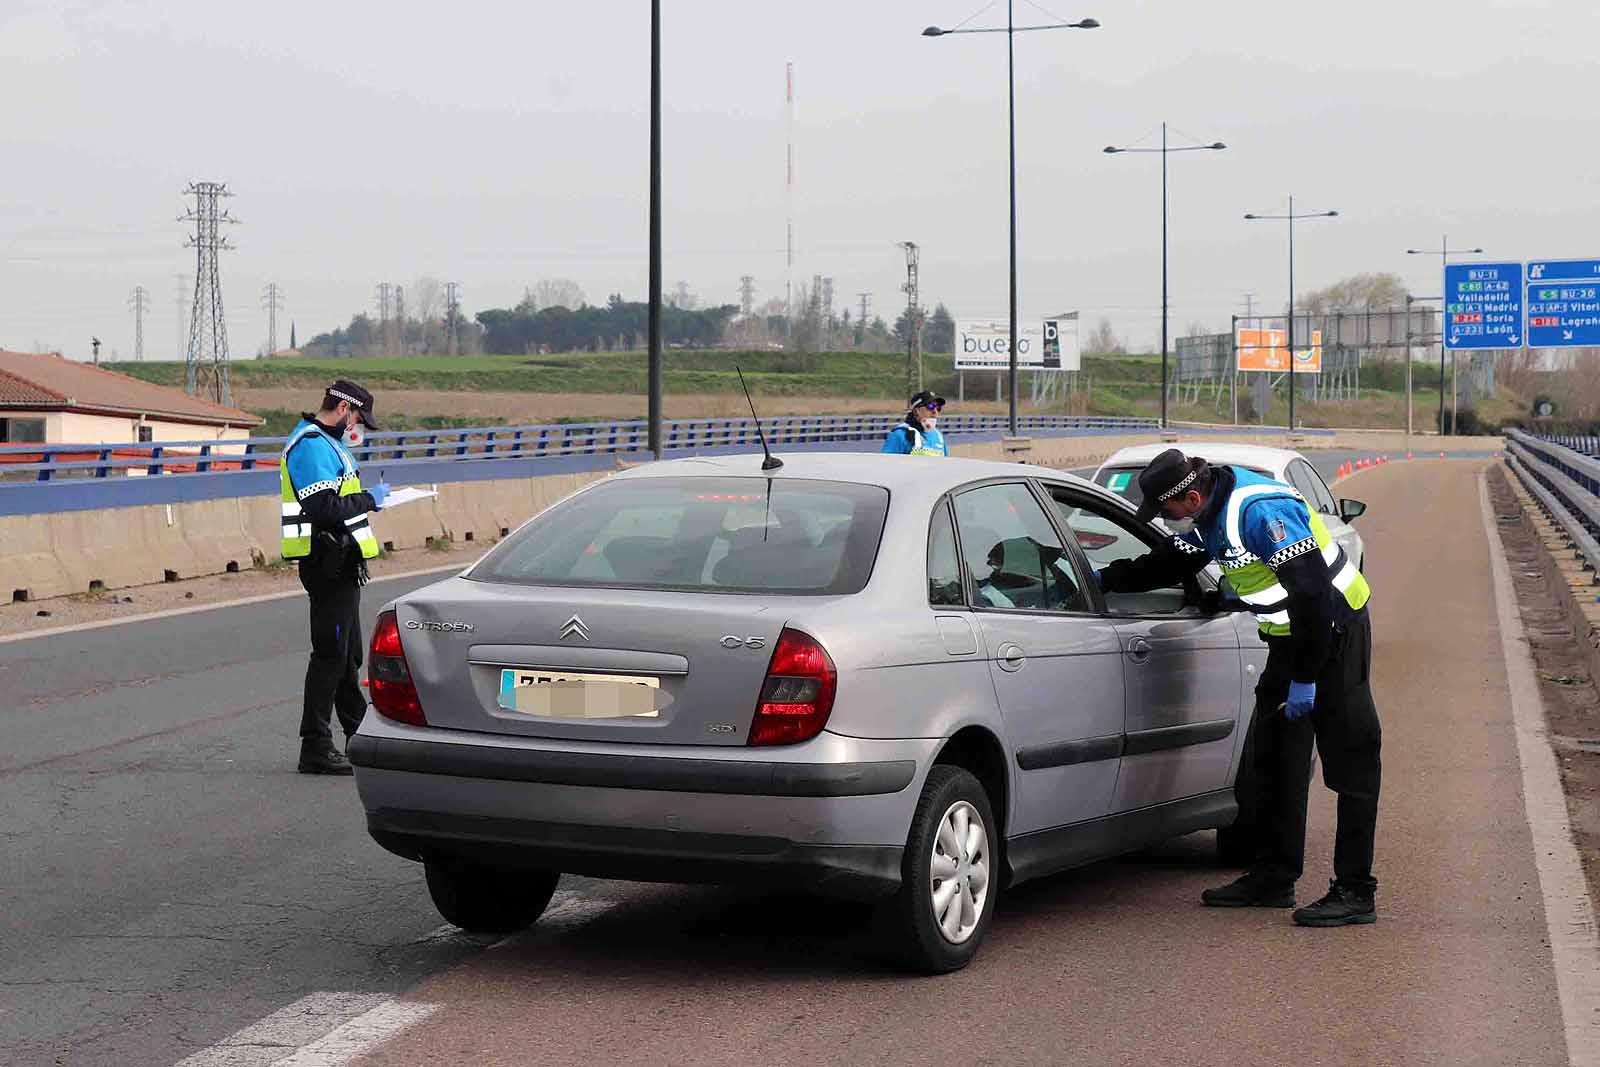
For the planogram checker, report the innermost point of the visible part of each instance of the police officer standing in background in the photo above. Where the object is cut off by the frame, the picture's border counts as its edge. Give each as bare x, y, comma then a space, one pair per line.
1310, 605
325, 527
919, 434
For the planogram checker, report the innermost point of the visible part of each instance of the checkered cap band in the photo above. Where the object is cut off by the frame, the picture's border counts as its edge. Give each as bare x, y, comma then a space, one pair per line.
1180, 487
352, 401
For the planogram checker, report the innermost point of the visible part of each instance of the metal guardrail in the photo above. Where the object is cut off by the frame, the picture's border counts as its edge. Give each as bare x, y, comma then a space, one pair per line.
524, 442
37, 479
1566, 482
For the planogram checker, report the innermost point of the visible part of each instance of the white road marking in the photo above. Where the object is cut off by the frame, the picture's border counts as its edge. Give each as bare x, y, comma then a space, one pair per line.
193, 609
360, 1035
319, 1030
1568, 912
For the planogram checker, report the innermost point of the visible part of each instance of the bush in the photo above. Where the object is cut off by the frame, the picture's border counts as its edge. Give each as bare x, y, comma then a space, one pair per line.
1468, 423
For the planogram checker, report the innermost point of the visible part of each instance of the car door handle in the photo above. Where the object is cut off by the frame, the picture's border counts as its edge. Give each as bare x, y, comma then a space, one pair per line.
1138, 649
1010, 657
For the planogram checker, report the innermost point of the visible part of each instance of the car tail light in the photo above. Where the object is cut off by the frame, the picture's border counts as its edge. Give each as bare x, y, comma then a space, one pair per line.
797, 696
388, 678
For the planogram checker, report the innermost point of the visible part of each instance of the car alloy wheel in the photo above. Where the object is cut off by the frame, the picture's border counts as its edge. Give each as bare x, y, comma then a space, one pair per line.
960, 866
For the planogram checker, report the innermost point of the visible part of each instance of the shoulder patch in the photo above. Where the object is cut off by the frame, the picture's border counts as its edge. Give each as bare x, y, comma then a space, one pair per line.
1277, 531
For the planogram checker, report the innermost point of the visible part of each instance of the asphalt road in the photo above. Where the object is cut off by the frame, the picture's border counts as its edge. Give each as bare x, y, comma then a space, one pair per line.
167, 879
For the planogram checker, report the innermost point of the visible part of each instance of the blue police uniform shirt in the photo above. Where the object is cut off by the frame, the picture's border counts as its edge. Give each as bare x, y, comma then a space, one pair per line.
1269, 522
902, 440
316, 462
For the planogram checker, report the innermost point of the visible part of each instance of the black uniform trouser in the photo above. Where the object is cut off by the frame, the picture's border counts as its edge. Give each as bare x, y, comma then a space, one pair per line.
333, 677
1344, 724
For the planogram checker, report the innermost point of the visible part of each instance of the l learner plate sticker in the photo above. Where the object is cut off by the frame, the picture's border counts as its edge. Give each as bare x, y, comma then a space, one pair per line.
569, 695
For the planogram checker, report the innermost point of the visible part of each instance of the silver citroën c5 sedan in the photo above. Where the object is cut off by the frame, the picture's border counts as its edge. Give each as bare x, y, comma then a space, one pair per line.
871, 676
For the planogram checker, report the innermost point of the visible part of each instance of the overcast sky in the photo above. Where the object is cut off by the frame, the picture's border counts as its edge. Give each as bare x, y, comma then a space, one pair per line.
496, 144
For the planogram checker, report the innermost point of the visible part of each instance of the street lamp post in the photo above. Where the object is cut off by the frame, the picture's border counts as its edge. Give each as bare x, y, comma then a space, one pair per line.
1444, 254
1289, 333
1011, 30
654, 386
1215, 146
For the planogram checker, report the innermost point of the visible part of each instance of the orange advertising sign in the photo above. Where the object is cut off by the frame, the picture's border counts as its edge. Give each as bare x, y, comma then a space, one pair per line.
1265, 350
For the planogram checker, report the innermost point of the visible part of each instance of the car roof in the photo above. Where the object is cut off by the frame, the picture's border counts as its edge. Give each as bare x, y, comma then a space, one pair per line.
1214, 452
893, 472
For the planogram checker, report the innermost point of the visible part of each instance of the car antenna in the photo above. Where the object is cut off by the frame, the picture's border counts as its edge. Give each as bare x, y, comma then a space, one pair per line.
771, 463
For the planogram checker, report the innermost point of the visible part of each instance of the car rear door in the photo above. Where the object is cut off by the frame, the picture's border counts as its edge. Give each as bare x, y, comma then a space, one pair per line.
1055, 662
1182, 668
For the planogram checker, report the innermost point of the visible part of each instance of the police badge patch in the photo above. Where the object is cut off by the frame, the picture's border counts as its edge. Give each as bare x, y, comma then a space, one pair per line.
1276, 531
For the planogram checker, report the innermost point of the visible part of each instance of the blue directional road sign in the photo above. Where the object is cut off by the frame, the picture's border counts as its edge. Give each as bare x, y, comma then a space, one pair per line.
1563, 303
1482, 305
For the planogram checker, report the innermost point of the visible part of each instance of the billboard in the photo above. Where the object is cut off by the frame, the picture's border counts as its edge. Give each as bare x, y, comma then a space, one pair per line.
1264, 350
1042, 344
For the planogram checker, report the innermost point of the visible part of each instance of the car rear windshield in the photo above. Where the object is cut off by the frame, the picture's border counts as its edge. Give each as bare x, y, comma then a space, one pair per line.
1124, 481
724, 535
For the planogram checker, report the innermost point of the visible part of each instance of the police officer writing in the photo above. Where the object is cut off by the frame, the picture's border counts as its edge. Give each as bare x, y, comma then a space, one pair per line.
919, 434
1309, 601
325, 527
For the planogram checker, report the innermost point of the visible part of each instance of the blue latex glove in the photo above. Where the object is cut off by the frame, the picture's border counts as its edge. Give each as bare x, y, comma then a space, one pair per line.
1302, 695
380, 493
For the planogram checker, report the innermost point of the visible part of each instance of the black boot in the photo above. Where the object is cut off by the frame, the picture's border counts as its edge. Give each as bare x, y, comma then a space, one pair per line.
1343, 906
1251, 891
320, 757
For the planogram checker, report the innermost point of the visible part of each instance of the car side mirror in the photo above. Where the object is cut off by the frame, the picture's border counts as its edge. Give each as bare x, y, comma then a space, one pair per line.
1351, 510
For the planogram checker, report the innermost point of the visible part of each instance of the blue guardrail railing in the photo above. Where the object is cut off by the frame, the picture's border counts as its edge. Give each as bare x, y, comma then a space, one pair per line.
65, 477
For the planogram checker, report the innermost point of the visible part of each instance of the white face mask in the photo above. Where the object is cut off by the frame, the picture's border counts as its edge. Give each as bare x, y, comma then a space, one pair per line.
930, 422
354, 434
1180, 526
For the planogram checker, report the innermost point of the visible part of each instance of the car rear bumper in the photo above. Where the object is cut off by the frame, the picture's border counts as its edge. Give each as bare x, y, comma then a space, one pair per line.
830, 814
609, 770
853, 871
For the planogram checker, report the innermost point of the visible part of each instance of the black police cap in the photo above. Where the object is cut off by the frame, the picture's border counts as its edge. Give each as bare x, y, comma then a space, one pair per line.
358, 398
1167, 476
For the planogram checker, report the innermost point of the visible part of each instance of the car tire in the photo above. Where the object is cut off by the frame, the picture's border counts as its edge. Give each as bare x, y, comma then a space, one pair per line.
488, 900
951, 797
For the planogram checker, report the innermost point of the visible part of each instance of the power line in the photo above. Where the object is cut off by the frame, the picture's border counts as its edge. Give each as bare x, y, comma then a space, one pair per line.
207, 356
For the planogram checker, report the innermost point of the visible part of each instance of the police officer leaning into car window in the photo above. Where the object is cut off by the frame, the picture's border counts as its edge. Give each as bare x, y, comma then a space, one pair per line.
919, 433
1309, 601
325, 528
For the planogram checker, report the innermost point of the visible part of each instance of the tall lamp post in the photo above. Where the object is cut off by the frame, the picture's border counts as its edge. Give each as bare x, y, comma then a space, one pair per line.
1011, 30
1215, 146
1444, 255
654, 402
1290, 217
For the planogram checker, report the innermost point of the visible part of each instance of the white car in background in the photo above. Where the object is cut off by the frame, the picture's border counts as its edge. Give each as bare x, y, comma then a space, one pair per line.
1120, 474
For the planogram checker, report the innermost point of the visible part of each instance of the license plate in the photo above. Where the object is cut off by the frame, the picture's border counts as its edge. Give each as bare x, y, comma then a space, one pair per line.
579, 694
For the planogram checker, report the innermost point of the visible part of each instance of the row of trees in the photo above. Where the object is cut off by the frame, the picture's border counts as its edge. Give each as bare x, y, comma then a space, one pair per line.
619, 325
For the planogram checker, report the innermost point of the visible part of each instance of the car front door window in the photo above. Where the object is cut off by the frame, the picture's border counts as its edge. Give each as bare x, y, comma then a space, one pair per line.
1012, 552
1107, 535
1305, 479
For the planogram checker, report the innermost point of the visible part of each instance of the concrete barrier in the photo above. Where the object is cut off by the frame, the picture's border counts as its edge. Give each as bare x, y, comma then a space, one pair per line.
51, 555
